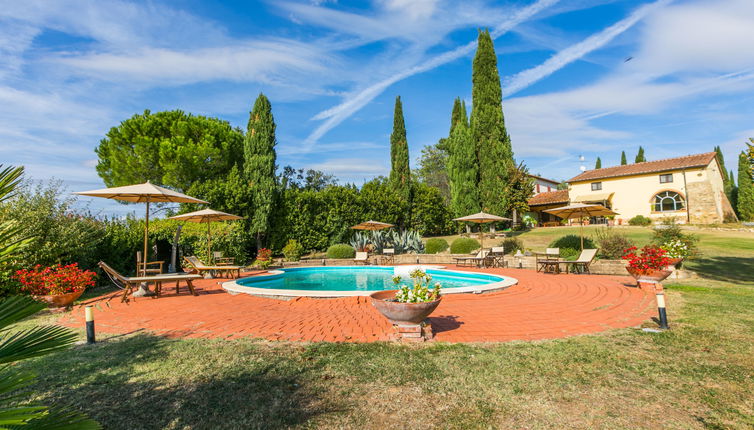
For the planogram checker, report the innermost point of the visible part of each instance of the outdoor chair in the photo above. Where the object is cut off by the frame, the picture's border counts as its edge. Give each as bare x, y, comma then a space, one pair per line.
581, 264
477, 260
201, 268
219, 260
361, 257
128, 283
152, 267
497, 257
388, 256
549, 262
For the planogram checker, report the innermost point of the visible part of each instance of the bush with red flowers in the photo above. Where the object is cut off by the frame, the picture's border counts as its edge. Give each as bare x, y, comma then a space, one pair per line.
55, 280
264, 254
651, 258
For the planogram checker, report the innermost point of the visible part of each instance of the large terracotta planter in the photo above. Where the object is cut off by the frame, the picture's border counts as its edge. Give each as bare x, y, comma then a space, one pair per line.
651, 276
402, 313
60, 300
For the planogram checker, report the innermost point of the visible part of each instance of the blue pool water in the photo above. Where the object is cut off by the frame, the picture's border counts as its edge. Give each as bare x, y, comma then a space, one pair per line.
350, 278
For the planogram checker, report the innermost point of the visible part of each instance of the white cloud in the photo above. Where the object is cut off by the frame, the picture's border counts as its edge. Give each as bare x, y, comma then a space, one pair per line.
352, 169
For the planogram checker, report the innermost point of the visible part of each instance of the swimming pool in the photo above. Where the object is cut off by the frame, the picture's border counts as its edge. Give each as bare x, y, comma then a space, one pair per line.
336, 281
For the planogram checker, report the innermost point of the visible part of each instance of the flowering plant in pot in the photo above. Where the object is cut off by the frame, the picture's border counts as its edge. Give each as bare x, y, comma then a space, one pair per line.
58, 285
676, 250
649, 265
409, 304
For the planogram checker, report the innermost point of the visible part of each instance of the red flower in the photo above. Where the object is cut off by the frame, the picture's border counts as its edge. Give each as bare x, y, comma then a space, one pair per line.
651, 258
55, 280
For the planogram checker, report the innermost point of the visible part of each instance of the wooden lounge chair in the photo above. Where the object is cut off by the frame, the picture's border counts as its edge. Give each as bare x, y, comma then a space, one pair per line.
581, 264
153, 267
477, 260
388, 256
549, 262
361, 257
196, 264
219, 260
128, 283
497, 257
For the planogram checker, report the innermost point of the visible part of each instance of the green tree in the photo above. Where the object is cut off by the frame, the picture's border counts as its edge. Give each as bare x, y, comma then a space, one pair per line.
623, 160
433, 169
493, 145
462, 169
259, 165
745, 188
519, 189
400, 173
728, 182
170, 148
640, 156
430, 214
598, 164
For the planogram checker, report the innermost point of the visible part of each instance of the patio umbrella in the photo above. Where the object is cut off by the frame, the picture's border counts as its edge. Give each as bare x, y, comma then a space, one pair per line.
142, 193
207, 216
372, 225
580, 210
481, 218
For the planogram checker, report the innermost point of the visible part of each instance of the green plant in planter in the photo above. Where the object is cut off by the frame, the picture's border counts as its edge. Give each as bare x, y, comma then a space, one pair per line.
420, 291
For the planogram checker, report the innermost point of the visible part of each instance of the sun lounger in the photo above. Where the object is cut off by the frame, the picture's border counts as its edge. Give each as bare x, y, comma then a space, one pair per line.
196, 264
219, 260
361, 257
128, 283
477, 260
388, 256
581, 264
549, 262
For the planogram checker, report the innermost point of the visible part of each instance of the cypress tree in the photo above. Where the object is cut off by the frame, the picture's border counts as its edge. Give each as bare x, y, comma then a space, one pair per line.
623, 160
598, 164
259, 165
640, 156
727, 180
745, 189
462, 167
400, 174
493, 145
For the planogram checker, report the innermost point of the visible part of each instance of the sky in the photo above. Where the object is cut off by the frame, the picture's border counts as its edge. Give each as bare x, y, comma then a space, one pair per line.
580, 78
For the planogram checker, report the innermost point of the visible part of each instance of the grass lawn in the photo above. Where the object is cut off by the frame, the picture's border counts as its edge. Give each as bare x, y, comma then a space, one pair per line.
700, 374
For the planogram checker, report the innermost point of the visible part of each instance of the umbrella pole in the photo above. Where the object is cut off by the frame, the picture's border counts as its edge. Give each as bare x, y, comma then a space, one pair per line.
209, 246
144, 287
581, 222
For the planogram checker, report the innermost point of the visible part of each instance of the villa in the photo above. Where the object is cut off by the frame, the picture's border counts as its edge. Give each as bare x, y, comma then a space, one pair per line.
688, 188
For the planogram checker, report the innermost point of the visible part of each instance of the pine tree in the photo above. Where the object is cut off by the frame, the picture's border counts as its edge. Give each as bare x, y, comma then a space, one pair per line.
259, 165
623, 160
400, 173
745, 189
493, 145
598, 164
640, 156
462, 167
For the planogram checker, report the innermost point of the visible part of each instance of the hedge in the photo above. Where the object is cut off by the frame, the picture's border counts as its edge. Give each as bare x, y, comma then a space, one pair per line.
464, 245
341, 250
436, 245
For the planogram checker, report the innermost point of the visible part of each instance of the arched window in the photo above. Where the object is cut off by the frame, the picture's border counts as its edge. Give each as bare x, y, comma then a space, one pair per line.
668, 201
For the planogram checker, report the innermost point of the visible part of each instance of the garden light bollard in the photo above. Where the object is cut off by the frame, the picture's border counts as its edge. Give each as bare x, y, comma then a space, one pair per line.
89, 324
660, 294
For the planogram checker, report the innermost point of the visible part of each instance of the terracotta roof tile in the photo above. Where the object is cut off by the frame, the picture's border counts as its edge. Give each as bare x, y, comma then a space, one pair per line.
549, 198
685, 162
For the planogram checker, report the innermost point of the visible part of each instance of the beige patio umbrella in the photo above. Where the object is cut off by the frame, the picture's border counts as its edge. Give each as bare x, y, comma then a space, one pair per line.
580, 210
372, 225
142, 193
207, 216
481, 218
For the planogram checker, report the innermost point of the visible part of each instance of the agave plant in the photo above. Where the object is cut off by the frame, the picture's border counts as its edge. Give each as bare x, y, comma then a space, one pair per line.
407, 241
381, 240
359, 241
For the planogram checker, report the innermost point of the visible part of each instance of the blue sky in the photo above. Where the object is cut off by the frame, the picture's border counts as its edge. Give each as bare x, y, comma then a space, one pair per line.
69, 70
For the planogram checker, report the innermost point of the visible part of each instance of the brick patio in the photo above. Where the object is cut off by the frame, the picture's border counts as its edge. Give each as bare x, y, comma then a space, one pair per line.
541, 306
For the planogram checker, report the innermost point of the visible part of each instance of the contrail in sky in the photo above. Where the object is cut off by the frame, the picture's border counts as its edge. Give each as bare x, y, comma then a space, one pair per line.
356, 101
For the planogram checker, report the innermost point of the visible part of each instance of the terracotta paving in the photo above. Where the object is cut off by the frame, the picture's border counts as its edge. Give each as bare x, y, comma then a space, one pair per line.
541, 306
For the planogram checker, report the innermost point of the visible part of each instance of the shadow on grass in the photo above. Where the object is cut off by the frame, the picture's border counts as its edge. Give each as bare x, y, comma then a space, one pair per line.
727, 269
145, 382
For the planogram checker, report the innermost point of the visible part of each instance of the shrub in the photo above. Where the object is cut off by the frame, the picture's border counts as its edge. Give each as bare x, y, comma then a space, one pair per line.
512, 244
55, 280
264, 254
640, 220
341, 250
612, 244
436, 245
293, 250
570, 245
464, 245
668, 233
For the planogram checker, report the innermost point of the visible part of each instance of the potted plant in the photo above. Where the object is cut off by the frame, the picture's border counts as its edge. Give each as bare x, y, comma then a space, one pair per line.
651, 265
409, 304
58, 286
676, 250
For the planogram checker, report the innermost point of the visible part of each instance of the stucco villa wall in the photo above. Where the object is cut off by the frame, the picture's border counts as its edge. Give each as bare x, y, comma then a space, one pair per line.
634, 195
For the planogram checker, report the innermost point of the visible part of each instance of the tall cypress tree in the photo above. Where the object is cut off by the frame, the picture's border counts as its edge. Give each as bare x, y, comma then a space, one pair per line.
400, 173
640, 156
623, 160
598, 164
493, 145
745, 189
462, 165
259, 165
728, 183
